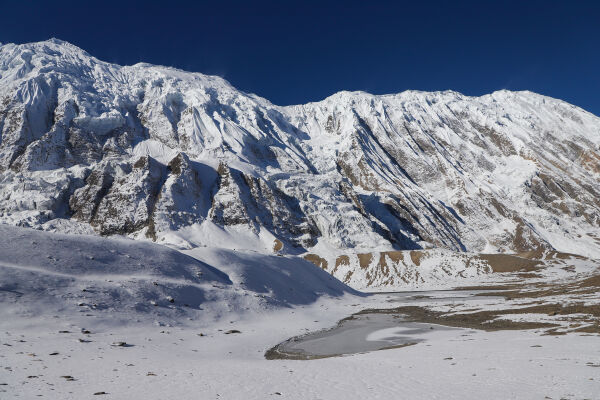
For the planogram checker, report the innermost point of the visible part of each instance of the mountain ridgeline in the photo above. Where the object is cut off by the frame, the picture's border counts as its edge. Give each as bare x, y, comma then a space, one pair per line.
149, 151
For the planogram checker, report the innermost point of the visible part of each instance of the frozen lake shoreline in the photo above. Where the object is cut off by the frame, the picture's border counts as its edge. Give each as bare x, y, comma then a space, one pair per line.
357, 334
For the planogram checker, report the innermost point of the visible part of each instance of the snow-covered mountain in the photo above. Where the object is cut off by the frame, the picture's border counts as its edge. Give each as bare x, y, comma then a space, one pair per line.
186, 159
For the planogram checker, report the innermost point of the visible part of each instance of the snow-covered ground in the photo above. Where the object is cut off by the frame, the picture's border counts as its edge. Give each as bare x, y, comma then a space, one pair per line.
122, 319
176, 363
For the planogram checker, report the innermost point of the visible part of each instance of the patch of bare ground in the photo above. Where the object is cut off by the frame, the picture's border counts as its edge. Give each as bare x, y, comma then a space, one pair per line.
277, 245
315, 259
544, 254
364, 260
588, 285
342, 260
487, 320
591, 282
416, 257
575, 314
510, 263
489, 287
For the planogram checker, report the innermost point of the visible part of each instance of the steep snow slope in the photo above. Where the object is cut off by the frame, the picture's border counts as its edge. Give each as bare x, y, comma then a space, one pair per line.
507, 171
188, 160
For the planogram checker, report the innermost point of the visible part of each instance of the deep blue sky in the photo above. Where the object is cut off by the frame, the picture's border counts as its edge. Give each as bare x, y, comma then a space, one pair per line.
294, 52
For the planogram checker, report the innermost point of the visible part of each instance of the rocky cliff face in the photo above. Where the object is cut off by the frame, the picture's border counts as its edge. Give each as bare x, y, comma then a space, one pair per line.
148, 151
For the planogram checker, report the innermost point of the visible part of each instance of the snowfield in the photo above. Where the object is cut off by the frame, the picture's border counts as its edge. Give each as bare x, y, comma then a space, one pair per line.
83, 315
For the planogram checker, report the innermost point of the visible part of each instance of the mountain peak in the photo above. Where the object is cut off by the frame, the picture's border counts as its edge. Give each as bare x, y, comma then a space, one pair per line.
52, 44
175, 152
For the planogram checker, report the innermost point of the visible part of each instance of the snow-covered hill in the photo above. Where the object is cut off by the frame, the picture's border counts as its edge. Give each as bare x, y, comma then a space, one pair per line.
187, 160
113, 280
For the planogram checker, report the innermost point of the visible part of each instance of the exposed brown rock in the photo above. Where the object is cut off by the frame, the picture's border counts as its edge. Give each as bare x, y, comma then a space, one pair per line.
277, 245
509, 263
315, 259
416, 257
364, 260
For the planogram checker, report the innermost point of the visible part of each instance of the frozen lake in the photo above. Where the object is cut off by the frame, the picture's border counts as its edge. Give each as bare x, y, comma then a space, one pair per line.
364, 332
357, 334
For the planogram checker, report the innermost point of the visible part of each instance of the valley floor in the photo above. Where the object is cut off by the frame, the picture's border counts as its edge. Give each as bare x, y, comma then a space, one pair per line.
122, 324
161, 362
